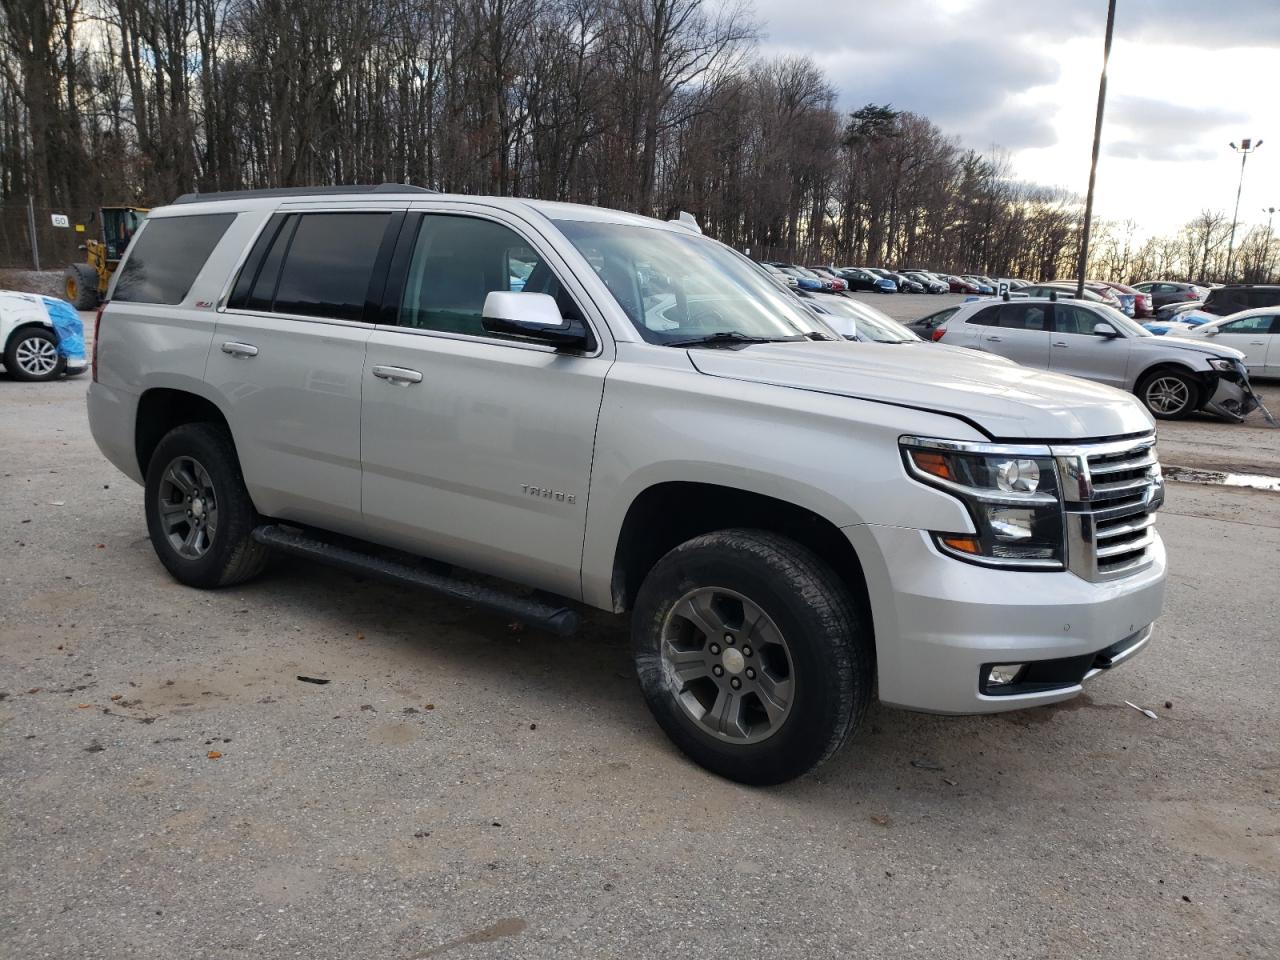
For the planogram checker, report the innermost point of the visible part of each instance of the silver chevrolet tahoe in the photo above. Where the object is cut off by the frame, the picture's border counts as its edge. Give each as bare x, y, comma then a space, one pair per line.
594, 407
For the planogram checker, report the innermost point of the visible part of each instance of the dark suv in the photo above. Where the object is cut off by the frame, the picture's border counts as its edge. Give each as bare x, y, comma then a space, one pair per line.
1235, 297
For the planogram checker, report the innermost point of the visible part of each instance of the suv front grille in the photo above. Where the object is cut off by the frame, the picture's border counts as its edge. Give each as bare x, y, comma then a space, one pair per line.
1111, 493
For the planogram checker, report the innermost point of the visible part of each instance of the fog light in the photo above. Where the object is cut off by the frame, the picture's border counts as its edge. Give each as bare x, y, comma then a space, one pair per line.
1003, 674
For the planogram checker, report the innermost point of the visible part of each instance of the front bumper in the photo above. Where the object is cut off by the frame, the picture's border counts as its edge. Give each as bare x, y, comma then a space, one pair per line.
1229, 395
939, 622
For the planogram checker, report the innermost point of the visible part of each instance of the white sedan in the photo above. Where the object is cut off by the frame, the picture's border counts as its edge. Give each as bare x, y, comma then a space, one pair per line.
41, 338
1255, 333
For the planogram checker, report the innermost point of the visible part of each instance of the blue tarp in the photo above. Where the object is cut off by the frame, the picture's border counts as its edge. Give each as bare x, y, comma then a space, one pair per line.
67, 325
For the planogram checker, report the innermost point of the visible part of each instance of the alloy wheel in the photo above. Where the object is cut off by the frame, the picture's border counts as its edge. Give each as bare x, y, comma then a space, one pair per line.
728, 665
1168, 395
188, 507
36, 356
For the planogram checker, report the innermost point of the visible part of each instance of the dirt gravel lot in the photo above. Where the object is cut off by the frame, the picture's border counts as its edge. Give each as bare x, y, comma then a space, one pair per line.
461, 789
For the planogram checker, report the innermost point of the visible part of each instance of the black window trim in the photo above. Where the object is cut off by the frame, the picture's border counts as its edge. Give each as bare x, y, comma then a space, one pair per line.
400, 261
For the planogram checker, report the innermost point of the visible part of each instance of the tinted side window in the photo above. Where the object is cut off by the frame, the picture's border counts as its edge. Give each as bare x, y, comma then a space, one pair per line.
989, 317
1261, 324
1262, 298
166, 257
457, 261
939, 318
328, 265
1024, 316
1070, 319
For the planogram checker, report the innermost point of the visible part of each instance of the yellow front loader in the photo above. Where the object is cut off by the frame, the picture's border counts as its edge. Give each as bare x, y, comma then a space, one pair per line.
85, 283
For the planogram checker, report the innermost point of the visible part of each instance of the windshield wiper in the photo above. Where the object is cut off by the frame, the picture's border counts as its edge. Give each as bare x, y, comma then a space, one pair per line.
729, 338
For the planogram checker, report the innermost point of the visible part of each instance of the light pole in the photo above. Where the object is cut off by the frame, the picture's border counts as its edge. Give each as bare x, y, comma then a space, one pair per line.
1097, 140
1247, 146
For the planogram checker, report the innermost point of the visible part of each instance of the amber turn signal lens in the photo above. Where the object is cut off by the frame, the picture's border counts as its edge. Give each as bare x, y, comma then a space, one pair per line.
937, 464
963, 544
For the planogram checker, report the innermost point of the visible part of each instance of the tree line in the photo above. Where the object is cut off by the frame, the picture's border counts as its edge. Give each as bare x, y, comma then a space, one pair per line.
653, 106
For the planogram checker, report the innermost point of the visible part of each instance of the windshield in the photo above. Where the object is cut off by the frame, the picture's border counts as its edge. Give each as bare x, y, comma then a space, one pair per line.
675, 286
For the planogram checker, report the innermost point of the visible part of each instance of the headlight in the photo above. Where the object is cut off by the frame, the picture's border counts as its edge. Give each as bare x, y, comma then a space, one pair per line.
1223, 365
1011, 494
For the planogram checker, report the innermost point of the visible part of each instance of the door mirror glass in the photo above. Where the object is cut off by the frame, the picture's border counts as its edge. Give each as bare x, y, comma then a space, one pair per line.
531, 316
1105, 330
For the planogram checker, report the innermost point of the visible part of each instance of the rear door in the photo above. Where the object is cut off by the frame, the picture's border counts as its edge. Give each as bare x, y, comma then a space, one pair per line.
1020, 332
1253, 337
1078, 351
477, 449
288, 355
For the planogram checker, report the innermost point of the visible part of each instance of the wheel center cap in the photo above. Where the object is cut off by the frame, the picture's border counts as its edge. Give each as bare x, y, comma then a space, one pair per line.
197, 507
734, 661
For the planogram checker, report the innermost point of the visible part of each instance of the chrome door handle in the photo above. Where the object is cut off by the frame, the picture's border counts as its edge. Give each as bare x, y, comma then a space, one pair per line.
1060, 343
401, 375
994, 339
239, 349
1257, 343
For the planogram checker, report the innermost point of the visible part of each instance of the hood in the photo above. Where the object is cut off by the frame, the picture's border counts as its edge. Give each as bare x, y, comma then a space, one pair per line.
1200, 345
1006, 400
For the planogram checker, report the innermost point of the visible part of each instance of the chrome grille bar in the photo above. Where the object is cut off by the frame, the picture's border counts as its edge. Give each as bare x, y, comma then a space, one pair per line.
1111, 492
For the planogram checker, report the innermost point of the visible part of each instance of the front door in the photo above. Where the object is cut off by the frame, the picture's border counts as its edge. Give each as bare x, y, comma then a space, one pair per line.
1078, 351
477, 449
1252, 336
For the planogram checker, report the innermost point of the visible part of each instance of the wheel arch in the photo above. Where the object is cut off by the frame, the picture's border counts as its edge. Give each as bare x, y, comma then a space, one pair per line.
23, 325
1204, 379
666, 514
160, 409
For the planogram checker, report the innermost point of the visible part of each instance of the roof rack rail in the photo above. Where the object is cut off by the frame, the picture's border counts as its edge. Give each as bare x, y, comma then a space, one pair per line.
302, 192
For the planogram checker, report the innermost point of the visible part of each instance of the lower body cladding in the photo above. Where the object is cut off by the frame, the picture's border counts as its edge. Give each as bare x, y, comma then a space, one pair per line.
953, 637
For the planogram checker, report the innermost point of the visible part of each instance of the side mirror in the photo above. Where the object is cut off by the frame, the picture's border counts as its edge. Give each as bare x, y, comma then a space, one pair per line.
1105, 330
1212, 332
531, 316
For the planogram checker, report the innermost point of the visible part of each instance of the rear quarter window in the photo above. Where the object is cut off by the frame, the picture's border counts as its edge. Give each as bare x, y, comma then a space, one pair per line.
167, 256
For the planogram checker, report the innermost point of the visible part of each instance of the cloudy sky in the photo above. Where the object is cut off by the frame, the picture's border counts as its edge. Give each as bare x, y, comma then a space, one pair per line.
1186, 77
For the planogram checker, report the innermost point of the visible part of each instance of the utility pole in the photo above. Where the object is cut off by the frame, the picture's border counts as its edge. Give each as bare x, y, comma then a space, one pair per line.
1097, 141
1270, 212
31, 228
1247, 146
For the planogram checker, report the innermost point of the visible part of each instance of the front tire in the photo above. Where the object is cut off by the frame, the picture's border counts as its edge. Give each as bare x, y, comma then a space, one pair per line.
199, 514
32, 354
1169, 394
751, 655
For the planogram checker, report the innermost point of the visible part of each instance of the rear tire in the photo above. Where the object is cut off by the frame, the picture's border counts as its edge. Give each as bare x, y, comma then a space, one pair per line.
32, 354
80, 284
751, 655
199, 514
1169, 394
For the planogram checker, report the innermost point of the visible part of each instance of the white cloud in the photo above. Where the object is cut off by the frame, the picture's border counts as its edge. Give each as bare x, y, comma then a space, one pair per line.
1185, 78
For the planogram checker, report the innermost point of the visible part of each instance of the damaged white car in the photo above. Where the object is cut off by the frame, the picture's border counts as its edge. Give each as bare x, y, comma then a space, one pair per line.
41, 338
1172, 376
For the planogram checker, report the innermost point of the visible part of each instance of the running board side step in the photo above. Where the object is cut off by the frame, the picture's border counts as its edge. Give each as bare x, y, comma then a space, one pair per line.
559, 620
